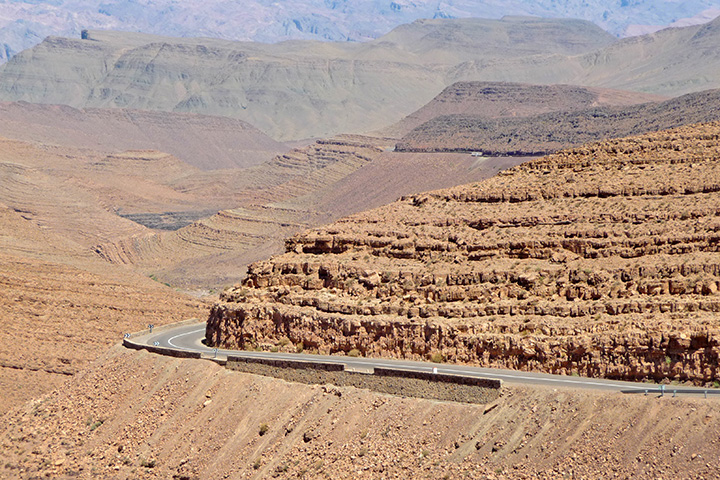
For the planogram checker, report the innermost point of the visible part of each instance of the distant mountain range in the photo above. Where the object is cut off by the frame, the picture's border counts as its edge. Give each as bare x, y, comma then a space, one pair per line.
24, 23
307, 89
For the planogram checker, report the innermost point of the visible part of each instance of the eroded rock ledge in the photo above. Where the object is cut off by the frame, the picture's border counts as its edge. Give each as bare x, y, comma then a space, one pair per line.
600, 261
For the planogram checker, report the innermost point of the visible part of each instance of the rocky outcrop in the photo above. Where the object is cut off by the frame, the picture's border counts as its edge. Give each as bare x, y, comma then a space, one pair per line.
506, 100
599, 261
567, 125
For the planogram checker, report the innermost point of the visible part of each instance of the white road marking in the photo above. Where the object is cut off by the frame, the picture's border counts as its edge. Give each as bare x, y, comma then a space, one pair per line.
170, 340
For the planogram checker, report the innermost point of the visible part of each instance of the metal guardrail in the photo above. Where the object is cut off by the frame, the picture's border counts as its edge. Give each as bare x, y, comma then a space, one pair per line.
663, 390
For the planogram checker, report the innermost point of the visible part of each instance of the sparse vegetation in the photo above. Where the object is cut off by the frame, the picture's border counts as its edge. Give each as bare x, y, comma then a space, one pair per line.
94, 424
263, 429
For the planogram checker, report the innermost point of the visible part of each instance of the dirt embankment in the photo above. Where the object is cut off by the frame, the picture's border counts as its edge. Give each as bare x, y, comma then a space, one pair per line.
137, 415
415, 384
600, 261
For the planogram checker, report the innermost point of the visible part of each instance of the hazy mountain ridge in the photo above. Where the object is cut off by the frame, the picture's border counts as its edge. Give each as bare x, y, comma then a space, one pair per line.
343, 20
304, 89
294, 89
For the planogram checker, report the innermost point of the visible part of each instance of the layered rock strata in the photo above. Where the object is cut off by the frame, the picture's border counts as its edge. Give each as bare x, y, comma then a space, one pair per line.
570, 126
599, 261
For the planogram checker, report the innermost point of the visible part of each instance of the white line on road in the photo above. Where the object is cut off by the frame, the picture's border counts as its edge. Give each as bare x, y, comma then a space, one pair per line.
170, 340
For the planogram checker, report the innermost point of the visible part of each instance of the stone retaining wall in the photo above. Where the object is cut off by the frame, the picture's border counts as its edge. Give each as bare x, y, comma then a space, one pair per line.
170, 352
454, 388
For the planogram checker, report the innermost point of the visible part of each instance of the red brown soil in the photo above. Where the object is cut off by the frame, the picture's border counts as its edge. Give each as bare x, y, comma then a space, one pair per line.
138, 415
60, 305
505, 99
599, 261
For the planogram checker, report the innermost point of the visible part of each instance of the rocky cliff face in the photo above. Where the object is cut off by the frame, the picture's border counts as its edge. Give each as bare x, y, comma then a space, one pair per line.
599, 261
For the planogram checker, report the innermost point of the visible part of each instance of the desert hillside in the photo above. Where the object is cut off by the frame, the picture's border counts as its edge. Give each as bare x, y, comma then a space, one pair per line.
138, 415
89, 238
598, 261
505, 99
306, 187
61, 307
205, 142
563, 128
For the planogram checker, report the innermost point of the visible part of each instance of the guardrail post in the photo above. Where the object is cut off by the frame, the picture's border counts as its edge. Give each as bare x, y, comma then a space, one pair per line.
662, 390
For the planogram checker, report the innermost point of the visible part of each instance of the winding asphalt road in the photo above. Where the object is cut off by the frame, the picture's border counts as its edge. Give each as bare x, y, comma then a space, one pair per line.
189, 338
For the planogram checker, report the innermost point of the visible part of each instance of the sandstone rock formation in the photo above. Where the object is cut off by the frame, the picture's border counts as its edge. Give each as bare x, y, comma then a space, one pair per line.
563, 128
599, 261
504, 99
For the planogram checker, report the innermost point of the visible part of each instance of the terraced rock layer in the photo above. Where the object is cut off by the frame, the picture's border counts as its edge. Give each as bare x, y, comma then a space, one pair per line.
507, 99
599, 261
569, 125
295, 191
